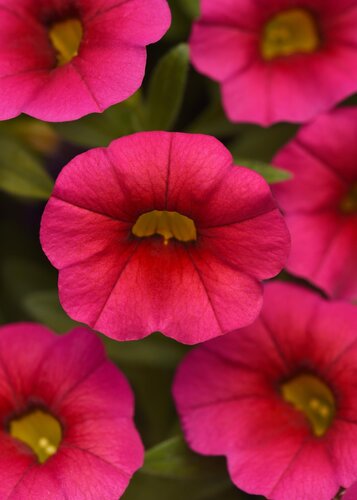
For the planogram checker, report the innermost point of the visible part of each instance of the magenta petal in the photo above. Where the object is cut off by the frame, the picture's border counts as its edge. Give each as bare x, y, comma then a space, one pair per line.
351, 493
140, 23
303, 472
98, 478
238, 243
13, 465
26, 343
214, 50
81, 353
324, 237
149, 296
103, 393
35, 484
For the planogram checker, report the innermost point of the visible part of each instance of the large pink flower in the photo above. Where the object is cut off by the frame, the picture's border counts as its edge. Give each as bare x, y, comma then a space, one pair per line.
67, 417
320, 202
278, 60
162, 232
278, 398
60, 60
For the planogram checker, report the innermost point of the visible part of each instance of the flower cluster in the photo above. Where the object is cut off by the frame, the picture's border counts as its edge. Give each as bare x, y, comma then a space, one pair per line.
168, 232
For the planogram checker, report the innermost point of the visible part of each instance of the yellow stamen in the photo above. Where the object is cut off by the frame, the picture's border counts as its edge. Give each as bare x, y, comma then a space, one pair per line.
166, 224
349, 202
66, 37
40, 431
291, 32
313, 398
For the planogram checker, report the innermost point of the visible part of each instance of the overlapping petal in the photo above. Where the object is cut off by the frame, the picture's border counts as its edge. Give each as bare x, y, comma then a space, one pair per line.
324, 237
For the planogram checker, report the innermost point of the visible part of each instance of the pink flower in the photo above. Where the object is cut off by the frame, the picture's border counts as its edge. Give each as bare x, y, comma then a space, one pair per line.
67, 417
161, 232
278, 398
351, 493
278, 60
60, 60
320, 202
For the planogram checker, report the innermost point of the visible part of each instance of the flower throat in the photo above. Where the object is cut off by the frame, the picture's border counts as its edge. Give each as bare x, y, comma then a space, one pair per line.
166, 224
291, 32
312, 397
40, 431
349, 202
66, 37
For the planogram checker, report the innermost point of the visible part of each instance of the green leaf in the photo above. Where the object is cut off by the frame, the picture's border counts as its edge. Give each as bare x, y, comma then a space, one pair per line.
213, 121
22, 276
98, 130
153, 351
166, 89
261, 143
44, 306
150, 366
190, 7
33, 134
172, 471
271, 174
22, 173
173, 459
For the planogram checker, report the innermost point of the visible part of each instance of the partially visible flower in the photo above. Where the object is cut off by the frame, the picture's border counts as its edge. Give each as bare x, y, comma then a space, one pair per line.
320, 202
66, 417
278, 60
60, 60
351, 493
279, 398
161, 232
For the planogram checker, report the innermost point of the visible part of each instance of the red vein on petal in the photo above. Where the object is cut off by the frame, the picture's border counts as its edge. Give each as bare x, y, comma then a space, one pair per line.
126, 263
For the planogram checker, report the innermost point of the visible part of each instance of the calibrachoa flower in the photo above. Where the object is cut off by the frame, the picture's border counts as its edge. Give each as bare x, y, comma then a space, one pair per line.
60, 60
351, 493
320, 202
162, 232
278, 398
278, 60
67, 417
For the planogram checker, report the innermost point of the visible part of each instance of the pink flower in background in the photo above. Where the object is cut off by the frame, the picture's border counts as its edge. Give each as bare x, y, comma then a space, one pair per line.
351, 493
277, 60
67, 417
278, 398
62, 60
320, 202
161, 232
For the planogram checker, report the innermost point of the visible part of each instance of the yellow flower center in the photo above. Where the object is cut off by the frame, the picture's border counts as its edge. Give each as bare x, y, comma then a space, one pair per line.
349, 202
40, 431
291, 32
166, 224
66, 37
313, 398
